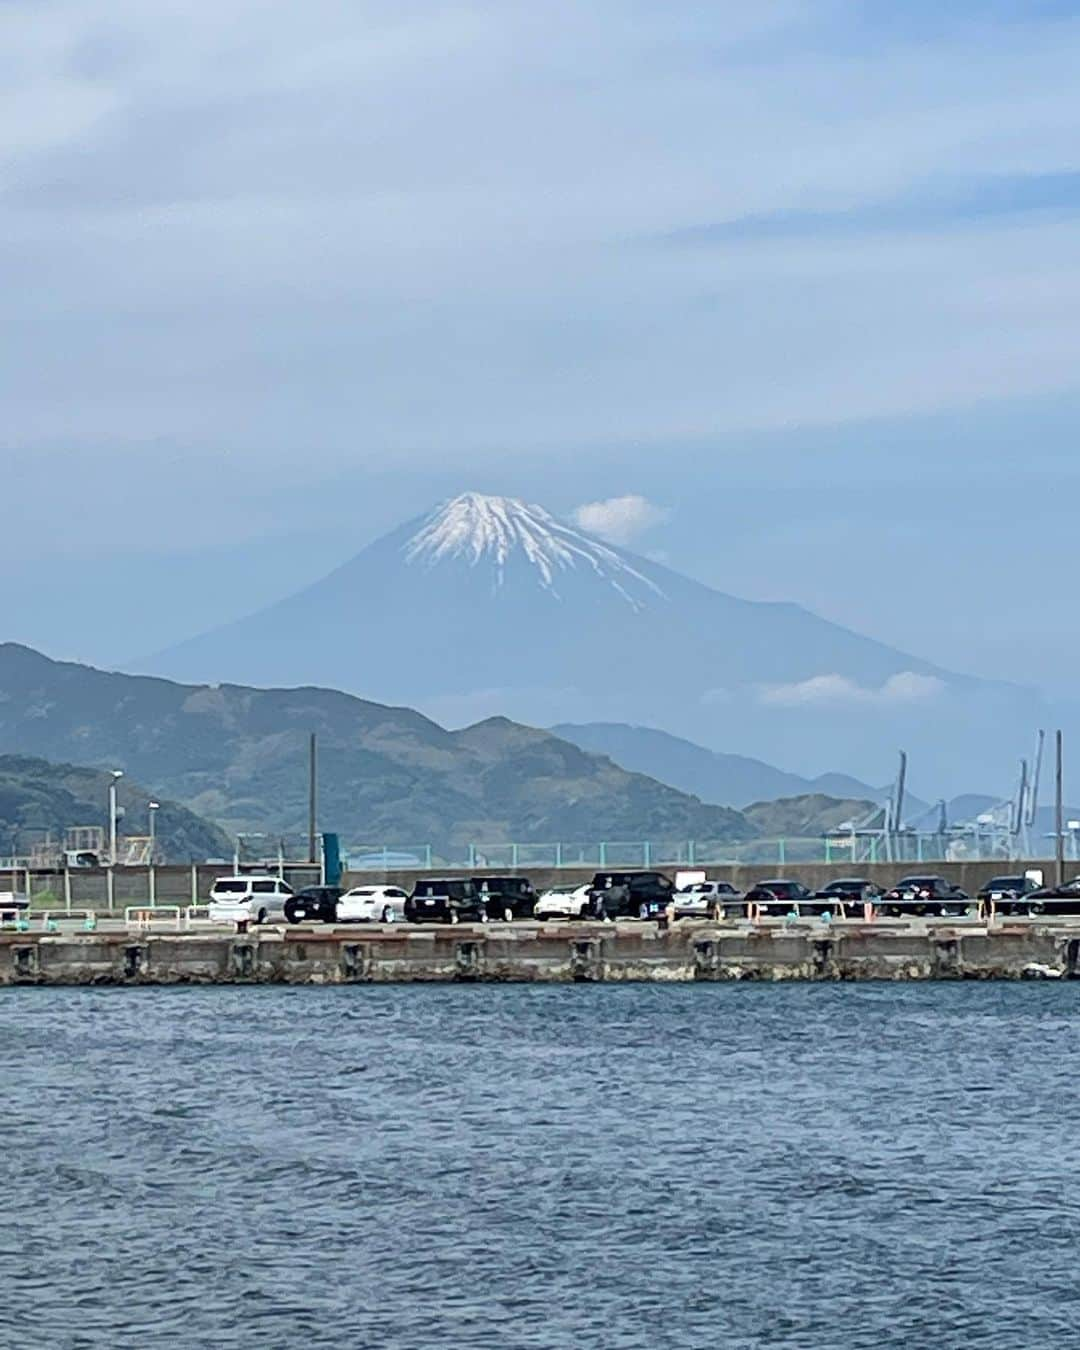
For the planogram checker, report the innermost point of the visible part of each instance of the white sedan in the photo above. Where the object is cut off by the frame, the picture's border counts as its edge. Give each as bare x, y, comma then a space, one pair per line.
372, 904
563, 902
703, 899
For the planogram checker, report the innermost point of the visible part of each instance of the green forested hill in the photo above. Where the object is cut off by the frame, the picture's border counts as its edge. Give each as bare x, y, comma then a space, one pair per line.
238, 756
39, 798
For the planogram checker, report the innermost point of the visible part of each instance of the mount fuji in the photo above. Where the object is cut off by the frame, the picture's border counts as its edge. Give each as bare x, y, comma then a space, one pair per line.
487, 605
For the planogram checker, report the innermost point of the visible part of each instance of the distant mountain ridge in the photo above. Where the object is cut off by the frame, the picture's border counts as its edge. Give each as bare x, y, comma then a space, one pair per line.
238, 756
491, 606
731, 780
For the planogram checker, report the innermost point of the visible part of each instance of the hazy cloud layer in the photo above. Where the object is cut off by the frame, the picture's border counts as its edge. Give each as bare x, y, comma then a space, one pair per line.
350, 230
905, 687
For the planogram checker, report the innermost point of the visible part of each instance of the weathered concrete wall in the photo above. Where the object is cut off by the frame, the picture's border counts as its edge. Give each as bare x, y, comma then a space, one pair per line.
573, 952
177, 885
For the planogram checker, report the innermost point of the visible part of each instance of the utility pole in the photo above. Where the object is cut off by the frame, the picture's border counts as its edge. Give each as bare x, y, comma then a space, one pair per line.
312, 796
1059, 815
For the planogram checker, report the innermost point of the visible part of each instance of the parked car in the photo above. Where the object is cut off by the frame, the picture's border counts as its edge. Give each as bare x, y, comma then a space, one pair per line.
1064, 899
851, 895
445, 900
12, 905
253, 899
314, 904
564, 902
638, 895
778, 896
372, 904
925, 896
507, 898
1010, 895
704, 899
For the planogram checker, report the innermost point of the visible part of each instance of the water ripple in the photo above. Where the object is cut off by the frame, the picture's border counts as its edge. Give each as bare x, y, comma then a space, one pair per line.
631, 1167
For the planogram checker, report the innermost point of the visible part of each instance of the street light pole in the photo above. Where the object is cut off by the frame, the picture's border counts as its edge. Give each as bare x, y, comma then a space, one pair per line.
117, 774
152, 810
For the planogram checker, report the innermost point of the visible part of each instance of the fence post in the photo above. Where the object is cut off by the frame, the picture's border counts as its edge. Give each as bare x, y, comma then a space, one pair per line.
690, 852
780, 852
603, 853
67, 886
472, 857
558, 855
513, 857
918, 846
427, 857
194, 883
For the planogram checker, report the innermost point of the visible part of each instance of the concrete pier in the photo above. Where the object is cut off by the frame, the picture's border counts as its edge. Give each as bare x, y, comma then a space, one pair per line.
689, 950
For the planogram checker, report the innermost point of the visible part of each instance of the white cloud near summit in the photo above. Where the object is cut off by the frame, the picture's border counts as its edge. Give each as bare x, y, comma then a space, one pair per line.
905, 687
620, 519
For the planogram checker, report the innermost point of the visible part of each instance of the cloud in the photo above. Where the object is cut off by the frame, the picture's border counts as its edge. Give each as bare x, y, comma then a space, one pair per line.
926, 207
620, 519
905, 687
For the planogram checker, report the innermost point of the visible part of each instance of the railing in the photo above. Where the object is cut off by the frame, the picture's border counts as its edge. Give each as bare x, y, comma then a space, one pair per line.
667, 853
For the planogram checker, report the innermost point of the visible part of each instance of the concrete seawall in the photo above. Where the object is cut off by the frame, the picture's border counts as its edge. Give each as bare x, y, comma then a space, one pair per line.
570, 953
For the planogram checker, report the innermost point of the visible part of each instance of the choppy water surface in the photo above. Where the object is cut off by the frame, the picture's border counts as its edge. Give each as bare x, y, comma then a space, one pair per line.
486, 1166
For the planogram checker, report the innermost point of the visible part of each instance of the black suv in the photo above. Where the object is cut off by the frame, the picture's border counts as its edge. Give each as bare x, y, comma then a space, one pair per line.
925, 896
314, 904
507, 897
636, 895
780, 896
851, 895
446, 900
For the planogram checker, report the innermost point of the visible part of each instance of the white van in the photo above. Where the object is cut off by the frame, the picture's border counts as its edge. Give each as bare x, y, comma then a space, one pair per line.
254, 898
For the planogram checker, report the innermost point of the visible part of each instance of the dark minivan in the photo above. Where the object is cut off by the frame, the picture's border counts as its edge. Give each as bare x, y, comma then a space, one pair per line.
635, 895
445, 901
507, 897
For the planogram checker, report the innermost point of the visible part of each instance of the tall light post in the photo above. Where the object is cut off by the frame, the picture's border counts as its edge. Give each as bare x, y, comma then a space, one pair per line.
117, 774
152, 810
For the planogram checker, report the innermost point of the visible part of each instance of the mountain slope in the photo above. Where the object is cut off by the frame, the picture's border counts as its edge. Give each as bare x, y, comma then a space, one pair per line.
806, 816
733, 780
489, 606
239, 756
39, 798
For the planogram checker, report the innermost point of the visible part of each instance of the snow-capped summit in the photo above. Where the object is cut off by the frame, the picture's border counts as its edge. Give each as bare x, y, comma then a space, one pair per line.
489, 605
479, 528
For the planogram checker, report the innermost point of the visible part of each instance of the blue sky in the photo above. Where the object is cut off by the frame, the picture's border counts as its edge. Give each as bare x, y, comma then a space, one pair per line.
806, 275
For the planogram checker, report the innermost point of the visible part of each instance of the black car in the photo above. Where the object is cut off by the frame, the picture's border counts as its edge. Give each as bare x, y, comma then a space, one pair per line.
445, 900
314, 904
925, 896
1051, 900
1009, 895
507, 897
851, 895
635, 895
778, 896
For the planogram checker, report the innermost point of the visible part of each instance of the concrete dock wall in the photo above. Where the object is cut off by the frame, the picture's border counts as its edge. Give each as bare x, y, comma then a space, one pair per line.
574, 952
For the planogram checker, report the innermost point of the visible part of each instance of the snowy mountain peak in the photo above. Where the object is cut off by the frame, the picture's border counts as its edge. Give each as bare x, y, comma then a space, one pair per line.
478, 528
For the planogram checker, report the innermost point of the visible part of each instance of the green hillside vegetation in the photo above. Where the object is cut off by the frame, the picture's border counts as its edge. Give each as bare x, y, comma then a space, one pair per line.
807, 816
38, 799
238, 756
